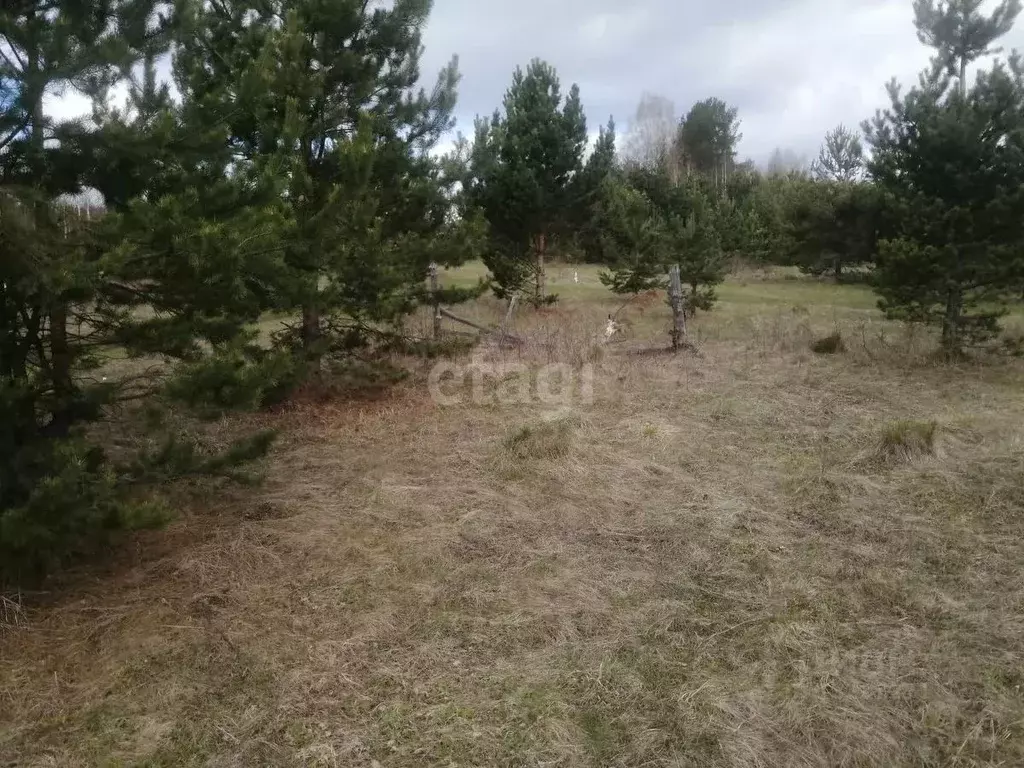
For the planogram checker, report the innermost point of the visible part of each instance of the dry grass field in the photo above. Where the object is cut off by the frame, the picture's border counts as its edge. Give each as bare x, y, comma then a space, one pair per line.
751, 555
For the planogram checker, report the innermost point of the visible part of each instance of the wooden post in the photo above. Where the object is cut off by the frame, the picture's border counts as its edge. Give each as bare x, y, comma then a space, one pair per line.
435, 304
675, 298
508, 316
541, 247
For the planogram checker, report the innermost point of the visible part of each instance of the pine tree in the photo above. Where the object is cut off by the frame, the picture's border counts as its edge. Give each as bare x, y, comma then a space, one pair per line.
699, 253
50, 264
841, 157
708, 136
634, 240
45, 46
325, 93
835, 227
588, 185
523, 169
55, 489
951, 157
960, 33
70, 282
587, 218
693, 221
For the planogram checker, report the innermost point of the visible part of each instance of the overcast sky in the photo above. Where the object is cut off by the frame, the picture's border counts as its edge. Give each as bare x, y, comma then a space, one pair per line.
794, 68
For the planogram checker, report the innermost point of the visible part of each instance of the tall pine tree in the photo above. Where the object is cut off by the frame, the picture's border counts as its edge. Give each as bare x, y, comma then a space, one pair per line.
951, 157
78, 289
323, 91
707, 140
46, 46
527, 175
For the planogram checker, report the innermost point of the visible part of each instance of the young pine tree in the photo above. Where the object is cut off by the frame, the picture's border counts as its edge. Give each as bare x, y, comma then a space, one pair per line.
324, 92
698, 246
70, 284
692, 222
194, 252
841, 157
525, 175
634, 240
835, 227
951, 158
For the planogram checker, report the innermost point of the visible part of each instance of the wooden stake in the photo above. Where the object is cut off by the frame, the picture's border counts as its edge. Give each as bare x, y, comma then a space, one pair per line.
434, 288
541, 248
508, 315
675, 298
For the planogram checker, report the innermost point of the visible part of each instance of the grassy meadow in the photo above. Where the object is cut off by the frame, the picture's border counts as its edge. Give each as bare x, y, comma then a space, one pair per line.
749, 554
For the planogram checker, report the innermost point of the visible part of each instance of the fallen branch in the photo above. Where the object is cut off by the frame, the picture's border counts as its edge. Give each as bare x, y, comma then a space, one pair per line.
503, 334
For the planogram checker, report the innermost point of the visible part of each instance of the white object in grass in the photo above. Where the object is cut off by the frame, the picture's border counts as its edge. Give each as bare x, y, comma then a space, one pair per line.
611, 330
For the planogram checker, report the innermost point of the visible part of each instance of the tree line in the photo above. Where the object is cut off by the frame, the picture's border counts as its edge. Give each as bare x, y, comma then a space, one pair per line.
924, 203
294, 171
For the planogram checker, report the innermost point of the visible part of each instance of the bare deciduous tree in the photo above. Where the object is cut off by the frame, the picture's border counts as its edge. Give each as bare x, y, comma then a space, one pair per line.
785, 161
652, 131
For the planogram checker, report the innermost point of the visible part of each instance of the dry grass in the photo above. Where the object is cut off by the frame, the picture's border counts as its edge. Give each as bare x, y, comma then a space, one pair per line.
904, 440
697, 568
550, 439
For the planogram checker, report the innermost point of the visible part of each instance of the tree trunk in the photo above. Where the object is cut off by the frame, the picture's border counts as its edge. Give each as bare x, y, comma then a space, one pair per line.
61, 357
675, 296
951, 322
60, 371
839, 269
435, 305
311, 336
541, 246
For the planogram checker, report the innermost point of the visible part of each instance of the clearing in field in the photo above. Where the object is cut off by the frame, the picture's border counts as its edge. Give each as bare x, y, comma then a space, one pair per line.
754, 555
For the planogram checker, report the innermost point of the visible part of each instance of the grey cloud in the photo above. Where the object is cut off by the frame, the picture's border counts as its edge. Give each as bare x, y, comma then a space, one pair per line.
795, 68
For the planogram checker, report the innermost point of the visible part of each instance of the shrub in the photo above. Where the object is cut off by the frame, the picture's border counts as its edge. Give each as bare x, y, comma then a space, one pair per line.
829, 345
61, 501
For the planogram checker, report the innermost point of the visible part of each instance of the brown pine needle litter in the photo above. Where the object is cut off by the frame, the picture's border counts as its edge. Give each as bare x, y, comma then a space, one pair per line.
754, 556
